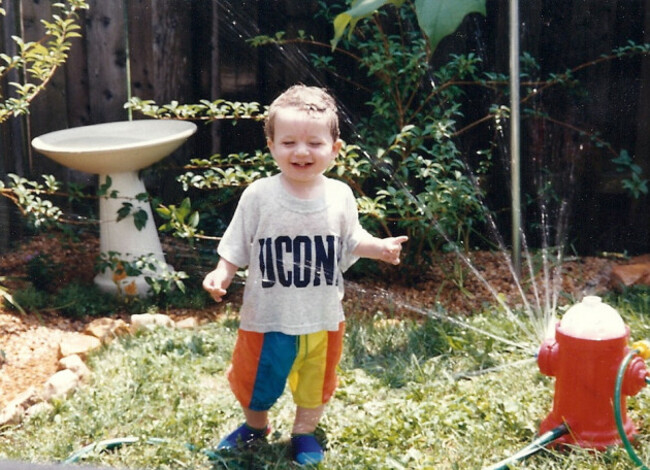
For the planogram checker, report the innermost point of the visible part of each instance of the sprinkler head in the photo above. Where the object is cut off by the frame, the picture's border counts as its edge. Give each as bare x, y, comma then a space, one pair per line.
593, 319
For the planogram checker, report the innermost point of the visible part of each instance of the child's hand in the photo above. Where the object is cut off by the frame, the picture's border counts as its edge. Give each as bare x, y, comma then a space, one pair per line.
217, 281
392, 248
215, 285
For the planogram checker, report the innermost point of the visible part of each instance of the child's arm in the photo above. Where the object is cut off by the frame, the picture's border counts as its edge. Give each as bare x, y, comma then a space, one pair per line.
217, 281
384, 249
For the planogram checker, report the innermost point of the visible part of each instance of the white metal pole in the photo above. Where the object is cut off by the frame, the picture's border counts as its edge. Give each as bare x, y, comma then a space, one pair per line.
515, 189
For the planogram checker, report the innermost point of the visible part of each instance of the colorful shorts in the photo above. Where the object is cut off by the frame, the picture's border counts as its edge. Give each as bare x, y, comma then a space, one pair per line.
262, 363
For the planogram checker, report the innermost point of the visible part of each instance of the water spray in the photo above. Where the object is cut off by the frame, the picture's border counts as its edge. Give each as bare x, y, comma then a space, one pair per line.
595, 370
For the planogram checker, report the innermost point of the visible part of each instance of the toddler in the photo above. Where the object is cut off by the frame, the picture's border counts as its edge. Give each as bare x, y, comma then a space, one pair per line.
297, 232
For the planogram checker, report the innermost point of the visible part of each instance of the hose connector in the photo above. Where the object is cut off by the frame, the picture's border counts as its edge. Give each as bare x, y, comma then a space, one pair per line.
642, 348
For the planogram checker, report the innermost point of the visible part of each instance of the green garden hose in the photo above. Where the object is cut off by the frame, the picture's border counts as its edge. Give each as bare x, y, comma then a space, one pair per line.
532, 448
617, 409
108, 444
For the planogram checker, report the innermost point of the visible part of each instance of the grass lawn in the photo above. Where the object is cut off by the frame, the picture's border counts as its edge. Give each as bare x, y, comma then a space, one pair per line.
412, 395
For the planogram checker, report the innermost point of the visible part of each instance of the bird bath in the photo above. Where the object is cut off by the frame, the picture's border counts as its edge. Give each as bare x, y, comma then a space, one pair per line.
116, 151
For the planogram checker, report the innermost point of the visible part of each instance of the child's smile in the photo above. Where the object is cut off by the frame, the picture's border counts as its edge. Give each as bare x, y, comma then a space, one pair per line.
303, 148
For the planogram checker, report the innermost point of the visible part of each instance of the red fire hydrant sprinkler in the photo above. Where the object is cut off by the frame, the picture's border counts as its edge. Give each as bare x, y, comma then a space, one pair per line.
590, 343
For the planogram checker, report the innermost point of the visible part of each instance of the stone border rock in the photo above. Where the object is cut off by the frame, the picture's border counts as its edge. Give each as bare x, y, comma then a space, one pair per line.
636, 272
73, 371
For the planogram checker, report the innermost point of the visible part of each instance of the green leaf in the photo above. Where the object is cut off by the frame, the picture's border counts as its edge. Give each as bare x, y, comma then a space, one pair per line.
140, 219
440, 18
4, 294
360, 9
194, 220
623, 160
437, 18
186, 207
124, 211
131, 269
103, 188
164, 212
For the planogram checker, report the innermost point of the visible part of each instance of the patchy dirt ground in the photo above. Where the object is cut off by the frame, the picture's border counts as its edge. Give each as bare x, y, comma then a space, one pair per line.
29, 343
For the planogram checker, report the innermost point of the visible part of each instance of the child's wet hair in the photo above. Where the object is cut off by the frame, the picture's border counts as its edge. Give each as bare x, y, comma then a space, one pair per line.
314, 101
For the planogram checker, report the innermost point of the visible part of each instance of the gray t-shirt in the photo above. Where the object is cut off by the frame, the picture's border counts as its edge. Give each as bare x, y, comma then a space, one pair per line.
296, 251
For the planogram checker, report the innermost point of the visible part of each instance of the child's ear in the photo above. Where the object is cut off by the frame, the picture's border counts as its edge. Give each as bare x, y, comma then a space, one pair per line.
336, 147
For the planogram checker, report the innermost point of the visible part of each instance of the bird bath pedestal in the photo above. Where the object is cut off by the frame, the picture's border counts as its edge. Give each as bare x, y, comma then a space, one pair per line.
118, 150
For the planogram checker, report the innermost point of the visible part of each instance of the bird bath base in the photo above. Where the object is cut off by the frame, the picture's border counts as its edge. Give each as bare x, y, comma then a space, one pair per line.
122, 240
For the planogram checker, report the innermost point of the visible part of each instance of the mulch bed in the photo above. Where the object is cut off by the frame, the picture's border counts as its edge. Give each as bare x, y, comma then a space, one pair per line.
28, 343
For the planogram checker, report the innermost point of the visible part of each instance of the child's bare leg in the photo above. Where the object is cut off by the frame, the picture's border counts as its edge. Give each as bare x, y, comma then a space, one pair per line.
306, 448
307, 419
256, 419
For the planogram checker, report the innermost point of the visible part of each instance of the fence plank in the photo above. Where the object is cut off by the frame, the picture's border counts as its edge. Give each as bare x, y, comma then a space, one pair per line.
172, 46
106, 61
141, 49
76, 73
172, 28
13, 130
48, 111
215, 83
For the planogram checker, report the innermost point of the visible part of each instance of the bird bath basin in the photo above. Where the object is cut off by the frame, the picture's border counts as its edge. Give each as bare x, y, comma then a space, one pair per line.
116, 151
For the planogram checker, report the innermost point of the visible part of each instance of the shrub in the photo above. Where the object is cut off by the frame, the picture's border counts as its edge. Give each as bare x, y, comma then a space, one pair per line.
42, 271
406, 170
31, 299
80, 300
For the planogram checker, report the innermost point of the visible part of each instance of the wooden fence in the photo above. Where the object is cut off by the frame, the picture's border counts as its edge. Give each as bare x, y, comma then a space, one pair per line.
174, 50
188, 50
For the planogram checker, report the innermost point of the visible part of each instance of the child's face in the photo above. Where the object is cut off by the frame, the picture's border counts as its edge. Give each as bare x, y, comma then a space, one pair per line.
302, 146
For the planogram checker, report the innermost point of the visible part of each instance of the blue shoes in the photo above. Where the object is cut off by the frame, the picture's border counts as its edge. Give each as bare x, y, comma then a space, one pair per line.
243, 436
306, 449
